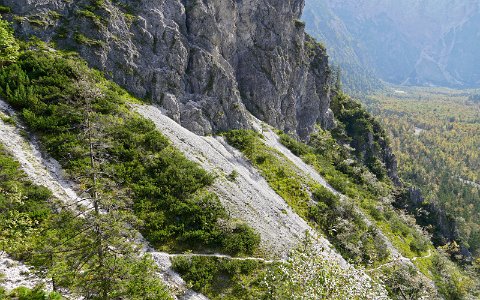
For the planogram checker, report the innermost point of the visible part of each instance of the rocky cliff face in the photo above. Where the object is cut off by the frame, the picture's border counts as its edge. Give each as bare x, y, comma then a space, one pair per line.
204, 62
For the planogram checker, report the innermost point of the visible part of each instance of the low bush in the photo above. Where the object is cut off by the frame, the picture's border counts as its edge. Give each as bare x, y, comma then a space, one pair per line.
219, 278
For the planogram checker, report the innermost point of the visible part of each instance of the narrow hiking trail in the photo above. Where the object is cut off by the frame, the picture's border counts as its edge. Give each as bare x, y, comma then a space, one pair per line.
222, 256
393, 262
249, 197
307, 171
422, 257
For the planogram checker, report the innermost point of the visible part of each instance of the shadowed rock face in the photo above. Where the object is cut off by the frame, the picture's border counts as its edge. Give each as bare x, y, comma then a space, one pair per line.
204, 62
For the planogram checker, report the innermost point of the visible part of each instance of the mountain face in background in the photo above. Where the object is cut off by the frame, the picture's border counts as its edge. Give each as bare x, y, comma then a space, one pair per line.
408, 42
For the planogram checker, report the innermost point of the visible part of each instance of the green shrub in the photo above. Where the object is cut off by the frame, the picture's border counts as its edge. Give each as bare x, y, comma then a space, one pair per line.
322, 194
293, 145
242, 240
233, 175
5, 9
23, 293
57, 93
219, 278
8, 45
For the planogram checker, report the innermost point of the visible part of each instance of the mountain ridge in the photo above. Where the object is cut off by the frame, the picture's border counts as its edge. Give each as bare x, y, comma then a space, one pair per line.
402, 42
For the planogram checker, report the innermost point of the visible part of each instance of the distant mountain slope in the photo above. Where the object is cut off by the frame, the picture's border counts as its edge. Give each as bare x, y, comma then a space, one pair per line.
408, 42
325, 26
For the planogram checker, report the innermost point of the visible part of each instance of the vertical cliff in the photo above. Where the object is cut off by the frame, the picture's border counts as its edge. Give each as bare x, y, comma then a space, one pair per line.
204, 62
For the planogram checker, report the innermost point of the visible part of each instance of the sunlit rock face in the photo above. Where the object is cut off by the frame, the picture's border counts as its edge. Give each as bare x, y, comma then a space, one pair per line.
204, 62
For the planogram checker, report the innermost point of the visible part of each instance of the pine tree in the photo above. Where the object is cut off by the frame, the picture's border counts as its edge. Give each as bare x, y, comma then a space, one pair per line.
99, 257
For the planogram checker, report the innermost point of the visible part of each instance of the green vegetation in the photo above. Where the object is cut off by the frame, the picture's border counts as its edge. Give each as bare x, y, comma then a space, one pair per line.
8, 45
436, 140
24, 206
75, 253
23, 293
84, 40
281, 175
220, 278
304, 275
357, 128
4, 9
89, 14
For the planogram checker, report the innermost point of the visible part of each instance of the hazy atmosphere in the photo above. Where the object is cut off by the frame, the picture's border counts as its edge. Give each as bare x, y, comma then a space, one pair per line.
248, 149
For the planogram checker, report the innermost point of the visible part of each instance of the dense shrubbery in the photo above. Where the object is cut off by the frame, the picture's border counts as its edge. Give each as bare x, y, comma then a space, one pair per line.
361, 131
219, 278
46, 234
58, 96
8, 45
23, 293
346, 228
24, 207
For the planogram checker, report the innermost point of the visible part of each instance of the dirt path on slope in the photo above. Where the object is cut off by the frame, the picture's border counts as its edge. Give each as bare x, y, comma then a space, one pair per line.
392, 262
248, 197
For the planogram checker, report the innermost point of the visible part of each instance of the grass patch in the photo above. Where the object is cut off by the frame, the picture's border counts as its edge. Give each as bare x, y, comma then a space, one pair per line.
23, 293
274, 167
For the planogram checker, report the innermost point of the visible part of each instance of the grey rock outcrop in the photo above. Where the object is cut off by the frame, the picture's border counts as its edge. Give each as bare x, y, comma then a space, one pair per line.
204, 62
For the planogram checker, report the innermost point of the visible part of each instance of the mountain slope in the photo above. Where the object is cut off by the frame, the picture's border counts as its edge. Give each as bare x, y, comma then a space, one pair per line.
200, 145
250, 57
245, 217
402, 42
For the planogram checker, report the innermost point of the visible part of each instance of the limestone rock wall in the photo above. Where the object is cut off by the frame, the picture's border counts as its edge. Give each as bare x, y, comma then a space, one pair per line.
205, 62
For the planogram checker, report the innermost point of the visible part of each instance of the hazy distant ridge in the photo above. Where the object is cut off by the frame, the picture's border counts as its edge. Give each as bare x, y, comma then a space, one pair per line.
409, 42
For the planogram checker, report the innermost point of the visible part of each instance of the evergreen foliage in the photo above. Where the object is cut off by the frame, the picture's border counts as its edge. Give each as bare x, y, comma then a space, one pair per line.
79, 115
435, 136
92, 256
361, 131
8, 44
